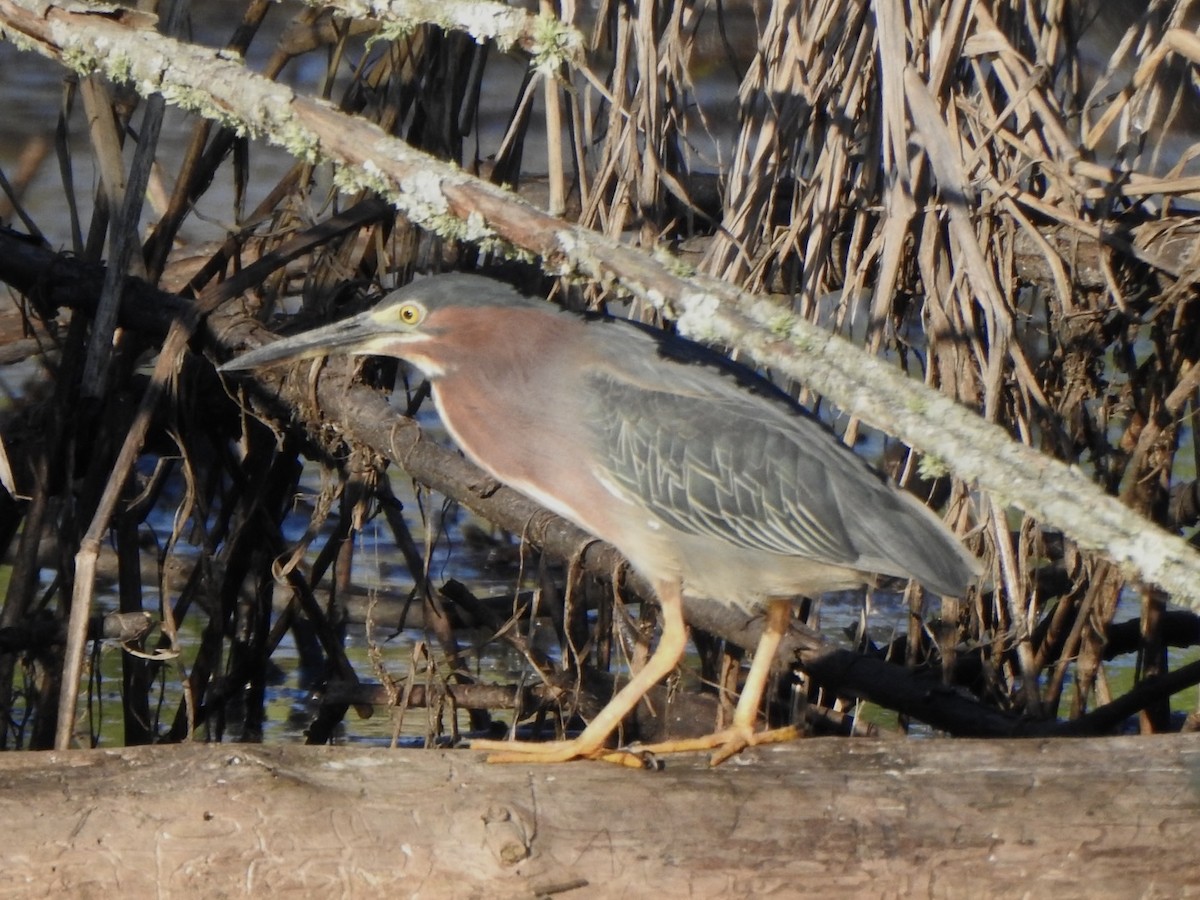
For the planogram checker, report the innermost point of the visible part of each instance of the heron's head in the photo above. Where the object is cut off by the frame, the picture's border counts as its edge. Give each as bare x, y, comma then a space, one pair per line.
430, 323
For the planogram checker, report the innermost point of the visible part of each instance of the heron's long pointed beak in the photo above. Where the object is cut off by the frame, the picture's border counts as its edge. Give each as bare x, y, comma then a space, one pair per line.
358, 335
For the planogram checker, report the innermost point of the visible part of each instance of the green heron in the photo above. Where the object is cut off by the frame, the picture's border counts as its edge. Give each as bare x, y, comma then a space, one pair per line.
712, 482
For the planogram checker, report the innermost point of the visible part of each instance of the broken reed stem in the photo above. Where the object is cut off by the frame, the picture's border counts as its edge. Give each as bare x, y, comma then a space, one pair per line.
89, 548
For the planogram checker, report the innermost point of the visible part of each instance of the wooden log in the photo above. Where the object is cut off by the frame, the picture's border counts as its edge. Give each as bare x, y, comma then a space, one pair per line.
1117, 817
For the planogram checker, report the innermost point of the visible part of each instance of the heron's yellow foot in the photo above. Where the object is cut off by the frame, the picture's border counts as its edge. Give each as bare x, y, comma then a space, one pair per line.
725, 743
556, 752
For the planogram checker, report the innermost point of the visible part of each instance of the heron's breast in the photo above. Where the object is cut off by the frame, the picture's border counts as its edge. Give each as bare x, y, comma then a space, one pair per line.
538, 445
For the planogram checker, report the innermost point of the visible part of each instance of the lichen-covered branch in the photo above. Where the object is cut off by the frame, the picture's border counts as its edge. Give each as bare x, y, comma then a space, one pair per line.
548, 40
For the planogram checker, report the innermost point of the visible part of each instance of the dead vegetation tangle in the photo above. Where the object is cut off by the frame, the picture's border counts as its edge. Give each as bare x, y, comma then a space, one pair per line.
995, 199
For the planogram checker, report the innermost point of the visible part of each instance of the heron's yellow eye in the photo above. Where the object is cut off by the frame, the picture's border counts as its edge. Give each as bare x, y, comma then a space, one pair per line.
411, 313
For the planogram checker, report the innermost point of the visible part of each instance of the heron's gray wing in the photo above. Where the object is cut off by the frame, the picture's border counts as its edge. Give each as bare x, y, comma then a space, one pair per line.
712, 448
722, 462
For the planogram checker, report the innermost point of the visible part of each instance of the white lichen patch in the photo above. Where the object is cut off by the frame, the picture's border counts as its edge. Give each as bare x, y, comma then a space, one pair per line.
79, 60
300, 142
498, 246
673, 264
501, 23
930, 466
575, 259
422, 196
18, 40
697, 316
476, 229
550, 40
393, 30
567, 242
364, 177
554, 44
782, 324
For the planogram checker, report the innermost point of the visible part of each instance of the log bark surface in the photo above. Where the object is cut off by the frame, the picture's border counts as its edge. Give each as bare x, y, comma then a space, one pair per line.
1115, 817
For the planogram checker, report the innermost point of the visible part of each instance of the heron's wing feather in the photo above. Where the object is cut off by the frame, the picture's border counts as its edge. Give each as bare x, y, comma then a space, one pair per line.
726, 464
711, 448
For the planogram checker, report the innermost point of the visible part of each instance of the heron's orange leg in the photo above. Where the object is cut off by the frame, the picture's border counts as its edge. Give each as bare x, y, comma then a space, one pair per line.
590, 743
741, 734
